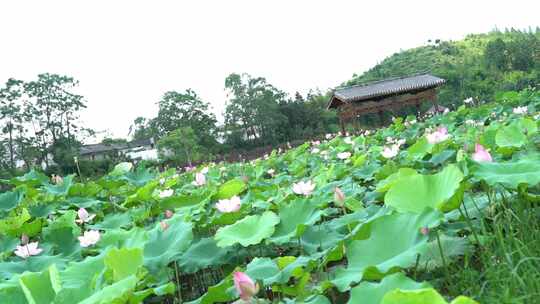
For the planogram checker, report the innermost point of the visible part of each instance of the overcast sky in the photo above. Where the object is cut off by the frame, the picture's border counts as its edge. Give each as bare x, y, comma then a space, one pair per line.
126, 54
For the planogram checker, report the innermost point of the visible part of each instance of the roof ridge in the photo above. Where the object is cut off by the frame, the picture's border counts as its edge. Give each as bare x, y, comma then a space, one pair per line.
365, 84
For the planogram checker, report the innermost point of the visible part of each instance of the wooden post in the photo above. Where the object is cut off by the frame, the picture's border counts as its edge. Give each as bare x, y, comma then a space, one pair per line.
417, 105
435, 104
342, 123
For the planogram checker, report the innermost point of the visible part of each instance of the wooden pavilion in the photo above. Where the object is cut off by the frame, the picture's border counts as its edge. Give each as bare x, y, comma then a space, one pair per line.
384, 95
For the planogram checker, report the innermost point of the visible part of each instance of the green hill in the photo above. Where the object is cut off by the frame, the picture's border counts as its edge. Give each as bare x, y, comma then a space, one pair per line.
478, 66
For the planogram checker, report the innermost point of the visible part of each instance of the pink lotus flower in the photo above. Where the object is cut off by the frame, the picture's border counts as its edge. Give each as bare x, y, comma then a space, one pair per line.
200, 179
89, 238
316, 142
441, 134
57, 179
424, 230
28, 250
229, 205
245, 286
520, 110
168, 213
84, 216
164, 225
481, 154
189, 168
303, 188
344, 155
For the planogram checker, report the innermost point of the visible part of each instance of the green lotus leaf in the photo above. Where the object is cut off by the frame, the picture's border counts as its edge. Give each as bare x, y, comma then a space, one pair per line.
113, 221
165, 246
119, 292
41, 287
250, 230
510, 174
414, 193
139, 177
61, 189
219, 293
373, 293
79, 279
419, 149
510, 136
36, 263
203, 254
11, 292
421, 296
386, 183
9, 225
121, 169
123, 262
395, 242
133, 238
10, 200
32, 178
275, 271
294, 217
230, 189
180, 201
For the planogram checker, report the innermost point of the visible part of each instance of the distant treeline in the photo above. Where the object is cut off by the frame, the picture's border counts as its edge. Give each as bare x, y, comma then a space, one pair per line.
39, 118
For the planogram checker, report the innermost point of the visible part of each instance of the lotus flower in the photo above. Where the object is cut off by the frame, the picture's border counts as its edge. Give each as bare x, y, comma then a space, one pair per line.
164, 225
57, 179
329, 136
424, 230
84, 216
344, 155
89, 238
339, 196
200, 179
481, 154
166, 193
303, 188
316, 142
189, 168
28, 250
271, 171
348, 140
520, 110
391, 151
168, 213
468, 100
245, 286
441, 134
229, 205
315, 150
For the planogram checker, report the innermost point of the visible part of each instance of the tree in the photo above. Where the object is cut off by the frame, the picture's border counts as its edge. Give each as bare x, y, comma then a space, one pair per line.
180, 147
53, 111
252, 112
180, 110
11, 116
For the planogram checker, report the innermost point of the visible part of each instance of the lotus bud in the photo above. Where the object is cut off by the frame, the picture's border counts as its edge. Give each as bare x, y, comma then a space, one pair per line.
24, 239
245, 286
164, 225
424, 230
339, 196
168, 213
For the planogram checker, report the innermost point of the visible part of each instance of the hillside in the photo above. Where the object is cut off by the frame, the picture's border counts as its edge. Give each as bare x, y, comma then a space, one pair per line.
478, 66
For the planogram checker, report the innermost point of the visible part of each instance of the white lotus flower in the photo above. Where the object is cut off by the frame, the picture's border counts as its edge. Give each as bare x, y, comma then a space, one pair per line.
204, 170
303, 188
520, 110
84, 216
271, 171
30, 249
390, 151
328, 136
166, 193
89, 238
229, 205
315, 150
200, 179
344, 155
468, 100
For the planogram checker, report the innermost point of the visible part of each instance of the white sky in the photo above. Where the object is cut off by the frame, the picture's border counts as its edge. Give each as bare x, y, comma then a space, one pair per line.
126, 54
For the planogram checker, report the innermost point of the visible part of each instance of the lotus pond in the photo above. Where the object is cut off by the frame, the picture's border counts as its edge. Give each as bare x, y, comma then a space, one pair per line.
372, 218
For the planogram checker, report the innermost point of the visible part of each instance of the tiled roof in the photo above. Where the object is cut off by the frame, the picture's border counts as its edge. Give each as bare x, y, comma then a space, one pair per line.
385, 88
